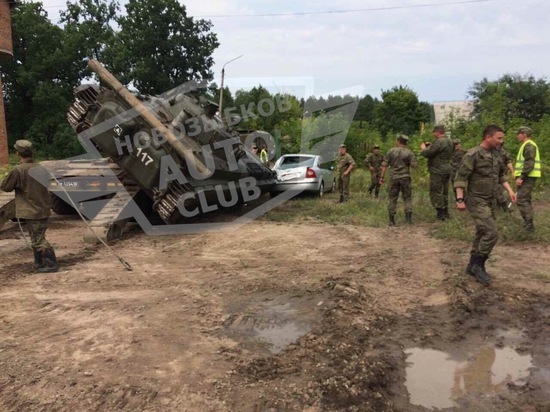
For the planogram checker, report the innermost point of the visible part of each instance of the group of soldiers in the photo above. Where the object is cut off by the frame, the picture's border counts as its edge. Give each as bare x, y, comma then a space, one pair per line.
477, 176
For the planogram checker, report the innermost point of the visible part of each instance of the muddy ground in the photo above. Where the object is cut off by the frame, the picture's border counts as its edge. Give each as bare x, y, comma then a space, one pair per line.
273, 317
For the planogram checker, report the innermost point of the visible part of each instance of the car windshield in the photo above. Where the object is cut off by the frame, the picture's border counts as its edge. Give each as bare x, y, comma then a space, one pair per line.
296, 161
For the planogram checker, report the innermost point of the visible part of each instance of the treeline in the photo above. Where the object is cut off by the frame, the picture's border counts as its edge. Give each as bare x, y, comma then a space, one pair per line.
154, 46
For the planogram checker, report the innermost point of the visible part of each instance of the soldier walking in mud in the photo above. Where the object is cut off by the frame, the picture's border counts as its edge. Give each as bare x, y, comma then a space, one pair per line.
475, 182
527, 172
32, 203
439, 155
345, 165
374, 161
400, 159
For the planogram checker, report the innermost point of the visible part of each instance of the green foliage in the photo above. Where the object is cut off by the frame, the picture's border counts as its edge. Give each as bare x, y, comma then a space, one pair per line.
40, 79
400, 112
88, 27
159, 47
511, 96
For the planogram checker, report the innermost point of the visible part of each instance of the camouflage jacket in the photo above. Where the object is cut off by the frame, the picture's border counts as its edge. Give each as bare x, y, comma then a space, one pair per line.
439, 156
374, 160
30, 182
480, 173
400, 159
457, 159
343, 162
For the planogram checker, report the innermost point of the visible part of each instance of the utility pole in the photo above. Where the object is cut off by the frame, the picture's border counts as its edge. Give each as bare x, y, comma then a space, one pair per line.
6, 53
220, 106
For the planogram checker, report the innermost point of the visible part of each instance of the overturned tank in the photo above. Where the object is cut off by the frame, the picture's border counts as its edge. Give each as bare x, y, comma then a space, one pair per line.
173, 147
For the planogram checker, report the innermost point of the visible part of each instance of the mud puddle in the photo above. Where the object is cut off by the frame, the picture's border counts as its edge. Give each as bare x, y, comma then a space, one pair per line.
271, 324
438, 379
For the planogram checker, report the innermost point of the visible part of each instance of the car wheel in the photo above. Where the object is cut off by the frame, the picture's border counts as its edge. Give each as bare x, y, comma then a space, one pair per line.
333, 187
321, 189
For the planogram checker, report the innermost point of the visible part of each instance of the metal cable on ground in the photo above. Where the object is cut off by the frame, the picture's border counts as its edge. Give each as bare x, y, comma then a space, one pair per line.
124, 263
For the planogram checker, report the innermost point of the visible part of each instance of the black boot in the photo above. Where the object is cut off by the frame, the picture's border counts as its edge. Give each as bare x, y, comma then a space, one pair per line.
408, 217
440, 214
341, 199
37, 259
392, 219
50, 262
477, 270
529, 226
446, 214
470, 263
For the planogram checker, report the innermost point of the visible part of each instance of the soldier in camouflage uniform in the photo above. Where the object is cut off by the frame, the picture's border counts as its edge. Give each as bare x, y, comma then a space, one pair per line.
374, 161
345, 165
32, 203
439, 155
475, 183
458, 154
528, 171
507, 166
400, 159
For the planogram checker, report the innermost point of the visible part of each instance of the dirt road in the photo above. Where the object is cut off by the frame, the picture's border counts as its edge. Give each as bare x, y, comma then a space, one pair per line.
273, 317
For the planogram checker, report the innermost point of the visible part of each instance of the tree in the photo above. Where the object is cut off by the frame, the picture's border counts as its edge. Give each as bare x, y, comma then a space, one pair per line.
39, 82
511, 96
400, 112
88, 28
159, 47
366, 110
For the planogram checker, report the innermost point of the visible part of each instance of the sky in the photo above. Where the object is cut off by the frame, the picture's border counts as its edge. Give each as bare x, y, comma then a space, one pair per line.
435, 48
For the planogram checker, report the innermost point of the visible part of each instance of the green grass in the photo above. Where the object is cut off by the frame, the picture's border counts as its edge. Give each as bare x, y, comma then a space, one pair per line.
363, 210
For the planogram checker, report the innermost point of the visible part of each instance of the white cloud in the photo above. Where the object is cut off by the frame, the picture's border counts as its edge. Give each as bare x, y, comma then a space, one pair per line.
439, 51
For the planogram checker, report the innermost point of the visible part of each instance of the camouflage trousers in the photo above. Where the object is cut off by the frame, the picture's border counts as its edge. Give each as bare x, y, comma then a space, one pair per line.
374, 183
525, 192
439, 190
403, 186
343, 185
482, 211
37, 232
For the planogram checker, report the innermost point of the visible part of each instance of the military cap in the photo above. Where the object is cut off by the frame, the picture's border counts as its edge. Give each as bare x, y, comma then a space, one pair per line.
22, 145
525, 129
376, 146
456, 141
343, 145
402, 137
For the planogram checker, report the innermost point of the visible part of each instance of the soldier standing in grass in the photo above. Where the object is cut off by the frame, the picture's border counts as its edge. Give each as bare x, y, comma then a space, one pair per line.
475, 183
527, 172
345, 165
374, 162
439, 155
400, 159
32, 203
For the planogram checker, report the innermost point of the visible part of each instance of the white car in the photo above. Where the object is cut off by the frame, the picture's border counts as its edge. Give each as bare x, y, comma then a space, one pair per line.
304, 173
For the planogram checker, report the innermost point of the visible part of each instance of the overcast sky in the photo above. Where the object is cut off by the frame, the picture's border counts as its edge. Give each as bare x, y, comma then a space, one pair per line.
439, 50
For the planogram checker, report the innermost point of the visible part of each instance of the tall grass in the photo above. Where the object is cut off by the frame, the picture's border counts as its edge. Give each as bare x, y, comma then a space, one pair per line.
364, 210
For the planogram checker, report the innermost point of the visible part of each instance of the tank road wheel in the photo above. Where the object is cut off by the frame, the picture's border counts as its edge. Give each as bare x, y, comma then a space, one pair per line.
61, 207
